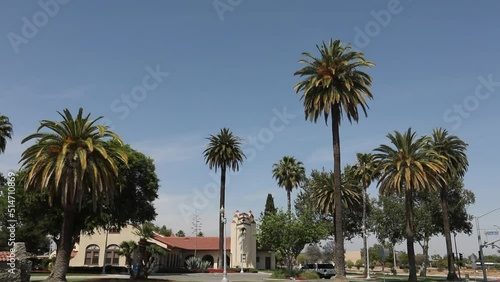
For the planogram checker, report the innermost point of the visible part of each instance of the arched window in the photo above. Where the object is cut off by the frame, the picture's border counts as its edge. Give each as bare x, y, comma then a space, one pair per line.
208, 258
92, 255
112, 255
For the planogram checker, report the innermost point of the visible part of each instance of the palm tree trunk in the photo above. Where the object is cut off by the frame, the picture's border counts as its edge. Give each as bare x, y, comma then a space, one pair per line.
221, 225
410, 235
452, 275
289, 199
339, 235
65, 246
365, 241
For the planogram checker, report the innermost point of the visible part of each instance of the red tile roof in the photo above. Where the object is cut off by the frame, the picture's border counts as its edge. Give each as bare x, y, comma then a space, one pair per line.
192, 243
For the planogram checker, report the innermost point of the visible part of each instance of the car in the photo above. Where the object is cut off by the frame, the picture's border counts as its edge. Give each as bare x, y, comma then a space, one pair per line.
324, 270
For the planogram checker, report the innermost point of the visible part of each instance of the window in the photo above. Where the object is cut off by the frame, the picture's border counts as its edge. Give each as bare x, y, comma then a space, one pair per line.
92, 255
112, 255
258, 259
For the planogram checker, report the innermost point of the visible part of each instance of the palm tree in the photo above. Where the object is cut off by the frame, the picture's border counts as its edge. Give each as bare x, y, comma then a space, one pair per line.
127, 249
452, 149
5, 132
323, 190
73, 162
290, 174
366, 171
145, 232
223, 151
334, 86
407, 167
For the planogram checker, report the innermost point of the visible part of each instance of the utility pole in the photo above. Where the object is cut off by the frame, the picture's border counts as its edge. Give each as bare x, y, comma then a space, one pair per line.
482, 245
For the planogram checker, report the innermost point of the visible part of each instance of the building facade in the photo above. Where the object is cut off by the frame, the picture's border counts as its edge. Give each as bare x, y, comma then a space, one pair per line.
102, 248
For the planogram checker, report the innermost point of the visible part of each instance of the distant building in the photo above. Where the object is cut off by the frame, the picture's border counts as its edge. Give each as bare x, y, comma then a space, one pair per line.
241, 247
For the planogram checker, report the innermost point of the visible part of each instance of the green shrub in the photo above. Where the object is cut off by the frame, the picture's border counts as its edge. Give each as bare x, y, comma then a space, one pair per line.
197, 265
279, 273
283, 273
350, 264
359, 264
309, 275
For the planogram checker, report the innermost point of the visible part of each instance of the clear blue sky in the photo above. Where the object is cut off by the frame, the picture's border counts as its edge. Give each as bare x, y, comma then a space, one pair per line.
231, 64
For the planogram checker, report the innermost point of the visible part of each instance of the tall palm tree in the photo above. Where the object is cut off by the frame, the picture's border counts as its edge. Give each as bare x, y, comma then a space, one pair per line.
453, 150
5, 132
366, 171
290, 174
73, 162
335, 86
223, 152
408, 166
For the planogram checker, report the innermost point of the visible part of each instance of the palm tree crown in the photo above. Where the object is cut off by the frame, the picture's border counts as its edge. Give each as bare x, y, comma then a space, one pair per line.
224, 150
334, 81
5, 132
73, 159
409, 165
452, 149
323, 190
366, 169
290, 174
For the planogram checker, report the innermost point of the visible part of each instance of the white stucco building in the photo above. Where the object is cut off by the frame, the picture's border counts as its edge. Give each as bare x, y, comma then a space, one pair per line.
241, 247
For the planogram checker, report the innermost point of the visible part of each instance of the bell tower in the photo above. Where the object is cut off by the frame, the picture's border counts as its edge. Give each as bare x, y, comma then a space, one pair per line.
243, 240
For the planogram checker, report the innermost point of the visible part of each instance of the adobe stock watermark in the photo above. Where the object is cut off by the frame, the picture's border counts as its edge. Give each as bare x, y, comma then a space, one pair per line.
251, 146
31, 26
223, 6
482, 92
381, 19
128, 101
11, 222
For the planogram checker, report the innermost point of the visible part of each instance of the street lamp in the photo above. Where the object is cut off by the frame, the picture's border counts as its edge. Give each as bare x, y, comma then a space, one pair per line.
457, 257
367, 254
481, 245
394, 257
223, 220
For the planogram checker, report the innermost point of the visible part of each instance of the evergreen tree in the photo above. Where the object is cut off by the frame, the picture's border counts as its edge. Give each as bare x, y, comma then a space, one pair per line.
270, 208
